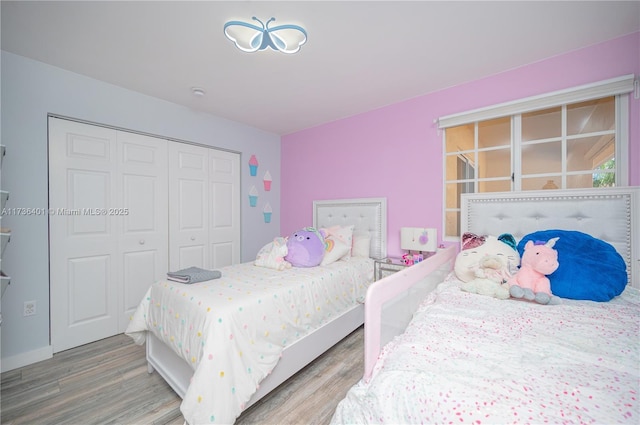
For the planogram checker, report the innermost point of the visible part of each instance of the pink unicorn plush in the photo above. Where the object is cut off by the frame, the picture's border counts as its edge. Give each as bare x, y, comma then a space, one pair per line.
531, 282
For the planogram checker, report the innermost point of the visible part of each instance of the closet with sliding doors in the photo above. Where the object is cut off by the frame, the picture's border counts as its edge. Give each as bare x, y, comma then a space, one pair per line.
125, 208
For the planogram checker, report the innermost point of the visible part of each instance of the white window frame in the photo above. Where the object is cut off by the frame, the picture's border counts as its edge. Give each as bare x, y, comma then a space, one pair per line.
620, 87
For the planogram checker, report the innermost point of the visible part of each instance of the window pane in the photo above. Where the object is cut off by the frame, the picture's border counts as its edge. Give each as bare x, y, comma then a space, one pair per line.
494, 186
494, 163
542, 158
604, 179
580, 181
454, 190
452, 223
588, 153
494, 133
452, 198
543, 124
459, 138
452, 167
591, 116
538, 183
460, 167
466, 166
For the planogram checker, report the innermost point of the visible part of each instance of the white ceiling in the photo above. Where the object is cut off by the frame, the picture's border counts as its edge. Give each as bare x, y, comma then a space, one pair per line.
360, 55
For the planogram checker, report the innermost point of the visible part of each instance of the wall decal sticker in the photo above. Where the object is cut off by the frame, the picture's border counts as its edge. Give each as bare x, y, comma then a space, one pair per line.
253, 165
267, 181
267, 213
253, 196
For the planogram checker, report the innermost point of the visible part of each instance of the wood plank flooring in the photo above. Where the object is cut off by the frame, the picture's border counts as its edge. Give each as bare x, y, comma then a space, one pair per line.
106, 382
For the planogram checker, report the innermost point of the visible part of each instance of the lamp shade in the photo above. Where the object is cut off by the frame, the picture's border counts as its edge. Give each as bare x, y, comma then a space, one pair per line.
418, 239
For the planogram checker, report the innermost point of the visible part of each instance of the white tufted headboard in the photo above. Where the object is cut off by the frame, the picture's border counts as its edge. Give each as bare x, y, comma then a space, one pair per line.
366, 214
610, 214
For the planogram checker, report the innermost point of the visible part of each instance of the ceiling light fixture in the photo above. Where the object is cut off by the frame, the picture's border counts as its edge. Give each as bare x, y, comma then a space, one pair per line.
251, 38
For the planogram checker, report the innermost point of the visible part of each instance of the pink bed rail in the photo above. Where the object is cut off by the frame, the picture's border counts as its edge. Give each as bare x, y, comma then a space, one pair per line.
386, 289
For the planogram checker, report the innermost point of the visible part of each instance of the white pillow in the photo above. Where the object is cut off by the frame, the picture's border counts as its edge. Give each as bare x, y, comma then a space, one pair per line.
343, 234
335, 249
361, 245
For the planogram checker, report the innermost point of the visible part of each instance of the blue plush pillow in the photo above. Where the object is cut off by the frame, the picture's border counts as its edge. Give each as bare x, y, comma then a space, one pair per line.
590, 268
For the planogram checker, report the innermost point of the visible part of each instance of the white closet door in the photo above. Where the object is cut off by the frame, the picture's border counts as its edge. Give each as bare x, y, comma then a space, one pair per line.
83, 246
144, 234
224, 199
188, 206
108, 227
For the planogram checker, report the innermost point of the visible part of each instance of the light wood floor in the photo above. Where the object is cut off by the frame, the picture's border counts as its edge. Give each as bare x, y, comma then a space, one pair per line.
106, 382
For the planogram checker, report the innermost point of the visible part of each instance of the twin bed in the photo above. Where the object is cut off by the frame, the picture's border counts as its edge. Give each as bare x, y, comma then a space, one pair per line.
467, 358
224, 344
433, 353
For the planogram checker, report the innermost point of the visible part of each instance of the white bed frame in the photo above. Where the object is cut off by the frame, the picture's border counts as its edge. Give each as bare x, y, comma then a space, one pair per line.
367, 215
610, 214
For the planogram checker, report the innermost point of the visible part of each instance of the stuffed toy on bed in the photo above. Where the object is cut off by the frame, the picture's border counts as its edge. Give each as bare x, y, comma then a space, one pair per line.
485, 263
491, 275
531, 282
305, 247
590, 268
272, 255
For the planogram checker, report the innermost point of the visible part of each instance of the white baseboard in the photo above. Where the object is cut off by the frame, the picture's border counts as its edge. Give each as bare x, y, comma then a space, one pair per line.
25, 359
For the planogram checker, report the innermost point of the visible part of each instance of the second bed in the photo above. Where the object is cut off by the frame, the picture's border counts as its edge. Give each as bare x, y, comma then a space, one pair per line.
225, 343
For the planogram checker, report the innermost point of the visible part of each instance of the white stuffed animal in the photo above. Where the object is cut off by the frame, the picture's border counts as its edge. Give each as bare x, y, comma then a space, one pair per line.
485, 263
491, 277
272, 255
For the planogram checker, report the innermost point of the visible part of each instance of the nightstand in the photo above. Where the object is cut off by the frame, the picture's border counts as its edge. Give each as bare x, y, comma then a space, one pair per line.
383, 267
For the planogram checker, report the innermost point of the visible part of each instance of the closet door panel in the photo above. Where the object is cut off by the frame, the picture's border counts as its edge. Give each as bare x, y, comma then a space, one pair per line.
188, 207
139, 268
88, 194
144, 236
192, 205
192, 256
83, 244
191, 230
224, 198
221, 199
95, 269
221, 254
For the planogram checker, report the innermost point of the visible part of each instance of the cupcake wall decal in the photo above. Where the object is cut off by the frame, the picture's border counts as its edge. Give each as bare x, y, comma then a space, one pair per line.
267, 181
253, 196
267, 213
253, 165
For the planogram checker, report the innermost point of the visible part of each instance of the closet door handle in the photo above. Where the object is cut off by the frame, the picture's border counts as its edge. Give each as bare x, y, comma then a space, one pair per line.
141, 241
193, 238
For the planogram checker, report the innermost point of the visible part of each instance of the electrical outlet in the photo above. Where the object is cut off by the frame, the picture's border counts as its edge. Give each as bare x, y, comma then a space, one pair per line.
29, 308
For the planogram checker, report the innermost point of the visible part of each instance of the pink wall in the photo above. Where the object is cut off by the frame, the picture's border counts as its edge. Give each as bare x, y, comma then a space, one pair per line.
396, 151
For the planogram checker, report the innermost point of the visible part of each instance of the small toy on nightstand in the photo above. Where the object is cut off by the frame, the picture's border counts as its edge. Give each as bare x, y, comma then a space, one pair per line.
411, 259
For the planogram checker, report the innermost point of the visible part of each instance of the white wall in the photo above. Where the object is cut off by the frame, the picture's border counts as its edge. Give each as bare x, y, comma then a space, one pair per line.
31, 90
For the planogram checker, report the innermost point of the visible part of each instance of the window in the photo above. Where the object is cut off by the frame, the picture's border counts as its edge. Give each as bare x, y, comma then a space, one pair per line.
563, 140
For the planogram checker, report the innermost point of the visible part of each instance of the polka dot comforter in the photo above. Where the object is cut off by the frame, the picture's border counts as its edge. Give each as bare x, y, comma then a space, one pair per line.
232, 330
472, 359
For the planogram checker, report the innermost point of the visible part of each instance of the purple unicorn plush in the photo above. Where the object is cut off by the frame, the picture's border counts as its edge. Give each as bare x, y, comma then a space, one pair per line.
531, 282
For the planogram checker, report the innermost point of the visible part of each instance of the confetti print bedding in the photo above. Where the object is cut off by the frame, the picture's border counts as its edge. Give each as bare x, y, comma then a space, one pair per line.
233, 330
471, 359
